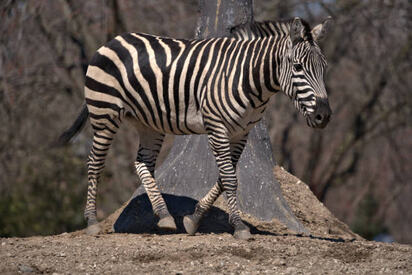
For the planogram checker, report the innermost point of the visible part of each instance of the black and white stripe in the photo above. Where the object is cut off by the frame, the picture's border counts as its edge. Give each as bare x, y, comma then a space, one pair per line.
218, 86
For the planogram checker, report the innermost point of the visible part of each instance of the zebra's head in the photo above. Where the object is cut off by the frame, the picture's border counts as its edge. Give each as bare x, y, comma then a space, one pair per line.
304, 68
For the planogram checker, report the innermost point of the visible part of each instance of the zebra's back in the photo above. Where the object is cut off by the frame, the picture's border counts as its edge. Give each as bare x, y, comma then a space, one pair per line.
149, 77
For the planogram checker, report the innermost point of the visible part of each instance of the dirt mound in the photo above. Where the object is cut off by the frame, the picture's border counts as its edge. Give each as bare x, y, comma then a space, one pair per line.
309, 210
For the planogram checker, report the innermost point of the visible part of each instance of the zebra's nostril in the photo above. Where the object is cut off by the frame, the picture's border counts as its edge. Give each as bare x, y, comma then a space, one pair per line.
318, 118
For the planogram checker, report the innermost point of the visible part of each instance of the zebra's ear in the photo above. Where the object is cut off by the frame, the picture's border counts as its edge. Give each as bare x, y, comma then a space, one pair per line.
297, 30
319, 31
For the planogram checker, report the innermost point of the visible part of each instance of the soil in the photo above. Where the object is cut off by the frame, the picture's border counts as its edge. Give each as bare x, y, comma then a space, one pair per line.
331, 248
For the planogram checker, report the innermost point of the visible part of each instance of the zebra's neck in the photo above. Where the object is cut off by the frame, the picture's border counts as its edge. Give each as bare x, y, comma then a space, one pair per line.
266, 46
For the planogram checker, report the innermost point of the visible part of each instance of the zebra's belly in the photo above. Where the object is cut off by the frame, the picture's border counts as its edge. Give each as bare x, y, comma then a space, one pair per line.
191, 122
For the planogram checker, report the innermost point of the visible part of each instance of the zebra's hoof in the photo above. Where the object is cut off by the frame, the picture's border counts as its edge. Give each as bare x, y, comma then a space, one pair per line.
190, 225
167, 223
242, 234
93, 229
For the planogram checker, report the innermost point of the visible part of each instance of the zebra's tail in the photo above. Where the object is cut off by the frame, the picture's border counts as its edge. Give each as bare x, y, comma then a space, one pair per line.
77, 126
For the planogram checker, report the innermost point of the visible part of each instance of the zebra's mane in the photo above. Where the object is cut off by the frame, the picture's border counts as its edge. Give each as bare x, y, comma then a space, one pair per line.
267, 29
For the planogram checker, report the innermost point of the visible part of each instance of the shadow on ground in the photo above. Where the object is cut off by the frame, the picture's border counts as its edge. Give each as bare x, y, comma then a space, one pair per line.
137, 217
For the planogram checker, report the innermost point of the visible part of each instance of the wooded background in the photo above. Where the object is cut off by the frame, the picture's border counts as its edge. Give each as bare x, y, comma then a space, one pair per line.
359, 166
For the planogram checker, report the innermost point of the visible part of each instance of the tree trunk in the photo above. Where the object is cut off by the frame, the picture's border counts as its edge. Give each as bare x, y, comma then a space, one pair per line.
190, 171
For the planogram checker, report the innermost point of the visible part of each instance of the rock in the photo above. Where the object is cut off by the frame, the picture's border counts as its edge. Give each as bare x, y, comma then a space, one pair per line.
25, 268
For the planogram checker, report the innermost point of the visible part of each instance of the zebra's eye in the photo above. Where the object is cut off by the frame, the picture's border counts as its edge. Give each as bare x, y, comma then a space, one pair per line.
298, 67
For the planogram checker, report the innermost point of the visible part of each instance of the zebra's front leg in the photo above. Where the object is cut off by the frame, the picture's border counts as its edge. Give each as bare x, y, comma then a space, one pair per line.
226, 160
191, 222
150, 145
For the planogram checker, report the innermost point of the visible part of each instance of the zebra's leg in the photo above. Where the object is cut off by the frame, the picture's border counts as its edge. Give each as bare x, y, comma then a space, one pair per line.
220, 145
150, 145
242, 231
191, 222
102, 140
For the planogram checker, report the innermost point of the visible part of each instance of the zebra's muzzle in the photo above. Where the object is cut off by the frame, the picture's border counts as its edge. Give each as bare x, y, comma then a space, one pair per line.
321, 116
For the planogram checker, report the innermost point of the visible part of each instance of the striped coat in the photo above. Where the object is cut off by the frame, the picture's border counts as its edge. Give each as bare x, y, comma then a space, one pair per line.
217, 86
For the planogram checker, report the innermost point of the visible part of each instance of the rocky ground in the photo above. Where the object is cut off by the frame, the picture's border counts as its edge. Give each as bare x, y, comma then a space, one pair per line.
331, 248
208, 253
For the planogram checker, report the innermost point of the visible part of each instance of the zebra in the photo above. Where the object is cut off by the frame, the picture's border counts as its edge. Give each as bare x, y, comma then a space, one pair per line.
217, 86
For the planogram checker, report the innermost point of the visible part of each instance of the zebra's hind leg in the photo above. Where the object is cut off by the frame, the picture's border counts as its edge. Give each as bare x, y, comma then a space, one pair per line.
150, 145
102, 140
